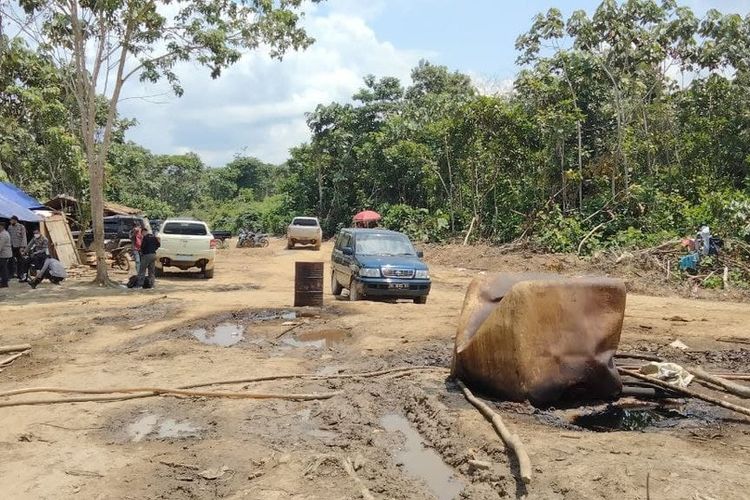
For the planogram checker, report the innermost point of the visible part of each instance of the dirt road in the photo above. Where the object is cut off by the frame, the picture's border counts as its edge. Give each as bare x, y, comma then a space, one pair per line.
402, 436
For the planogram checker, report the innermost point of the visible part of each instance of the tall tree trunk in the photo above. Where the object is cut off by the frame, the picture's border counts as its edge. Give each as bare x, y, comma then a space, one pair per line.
580, 167
320, 191
563, 181
96, 181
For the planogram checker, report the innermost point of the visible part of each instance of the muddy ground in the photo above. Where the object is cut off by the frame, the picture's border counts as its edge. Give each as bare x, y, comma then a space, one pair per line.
405, 435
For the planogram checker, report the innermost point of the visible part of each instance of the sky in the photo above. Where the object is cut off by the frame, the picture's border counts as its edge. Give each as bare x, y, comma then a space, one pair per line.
257, 107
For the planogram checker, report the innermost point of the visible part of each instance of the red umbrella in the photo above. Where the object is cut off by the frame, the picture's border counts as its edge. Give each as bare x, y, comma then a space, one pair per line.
367, 216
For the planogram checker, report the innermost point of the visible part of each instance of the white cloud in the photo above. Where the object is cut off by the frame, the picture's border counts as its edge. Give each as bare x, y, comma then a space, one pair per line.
257, 107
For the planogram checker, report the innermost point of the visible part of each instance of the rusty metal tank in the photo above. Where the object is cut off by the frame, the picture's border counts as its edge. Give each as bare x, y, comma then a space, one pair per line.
308, 284
541, 337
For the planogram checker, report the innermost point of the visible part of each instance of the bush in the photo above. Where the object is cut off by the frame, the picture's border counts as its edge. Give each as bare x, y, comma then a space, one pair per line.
270, 215
557, 233
417, 223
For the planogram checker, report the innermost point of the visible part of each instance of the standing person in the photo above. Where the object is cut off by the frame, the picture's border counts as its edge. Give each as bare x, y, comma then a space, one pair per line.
6, 252
136, 240
18, 242
149, 246
52, 270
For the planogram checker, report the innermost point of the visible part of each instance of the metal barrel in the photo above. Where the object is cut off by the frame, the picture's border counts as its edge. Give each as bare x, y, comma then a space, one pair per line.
308, 284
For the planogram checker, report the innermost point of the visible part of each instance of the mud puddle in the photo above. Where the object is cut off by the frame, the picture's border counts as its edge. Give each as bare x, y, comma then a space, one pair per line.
224, 334
421, 462
150, 426
318, 339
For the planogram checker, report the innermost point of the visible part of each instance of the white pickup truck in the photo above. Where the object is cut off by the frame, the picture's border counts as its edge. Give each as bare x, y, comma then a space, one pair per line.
186, 244
304, 231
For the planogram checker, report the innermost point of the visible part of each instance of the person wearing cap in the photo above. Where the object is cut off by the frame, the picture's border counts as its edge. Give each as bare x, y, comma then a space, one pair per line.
18, 243
6, 252
53, 270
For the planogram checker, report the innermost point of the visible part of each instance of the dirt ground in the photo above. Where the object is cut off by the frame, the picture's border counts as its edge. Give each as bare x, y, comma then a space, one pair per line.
402, 436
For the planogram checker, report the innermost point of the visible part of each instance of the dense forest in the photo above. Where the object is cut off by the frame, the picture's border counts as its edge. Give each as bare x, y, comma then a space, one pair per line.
625, 127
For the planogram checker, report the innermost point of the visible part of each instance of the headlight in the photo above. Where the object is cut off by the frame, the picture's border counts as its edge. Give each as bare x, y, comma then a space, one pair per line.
422, 274
369, 272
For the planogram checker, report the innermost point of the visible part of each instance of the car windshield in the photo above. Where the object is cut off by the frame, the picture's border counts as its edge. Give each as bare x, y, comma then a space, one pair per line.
184, 228
305, 222
384, 244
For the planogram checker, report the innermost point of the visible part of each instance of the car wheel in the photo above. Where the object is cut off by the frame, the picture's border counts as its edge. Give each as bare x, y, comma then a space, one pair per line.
353, 293
159, 272
420, 300
317, 247
208, 274
289, 245
336, 287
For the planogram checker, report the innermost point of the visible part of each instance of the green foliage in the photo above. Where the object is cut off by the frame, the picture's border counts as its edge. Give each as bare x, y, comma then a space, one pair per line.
557, 232
418, 223
269, 215
597, 142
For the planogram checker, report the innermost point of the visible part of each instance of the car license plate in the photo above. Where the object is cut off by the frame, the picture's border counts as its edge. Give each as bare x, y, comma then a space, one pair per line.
398, 286
184, 256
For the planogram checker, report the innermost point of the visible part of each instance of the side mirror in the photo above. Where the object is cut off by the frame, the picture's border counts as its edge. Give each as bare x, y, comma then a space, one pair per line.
420, 254
348, 251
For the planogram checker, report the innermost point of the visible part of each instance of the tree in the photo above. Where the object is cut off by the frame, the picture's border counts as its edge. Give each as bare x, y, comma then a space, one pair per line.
38, 148
100, 46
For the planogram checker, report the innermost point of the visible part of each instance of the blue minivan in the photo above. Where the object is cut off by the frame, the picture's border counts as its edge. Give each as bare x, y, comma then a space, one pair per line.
378, 263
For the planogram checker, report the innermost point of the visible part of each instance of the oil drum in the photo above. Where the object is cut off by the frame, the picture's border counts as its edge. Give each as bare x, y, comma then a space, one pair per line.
308, 284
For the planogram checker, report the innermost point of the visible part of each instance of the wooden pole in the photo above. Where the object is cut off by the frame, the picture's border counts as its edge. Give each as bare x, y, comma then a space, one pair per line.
738, 390
468, 233
687, 392
511, 440
14, 348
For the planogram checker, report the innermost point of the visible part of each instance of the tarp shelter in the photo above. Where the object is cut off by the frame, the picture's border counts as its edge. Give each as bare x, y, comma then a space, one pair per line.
14, 201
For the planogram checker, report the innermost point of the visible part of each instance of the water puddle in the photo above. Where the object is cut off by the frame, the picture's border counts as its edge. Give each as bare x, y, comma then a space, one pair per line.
317, 339
421, 462
614, 418
150, 425
225, 334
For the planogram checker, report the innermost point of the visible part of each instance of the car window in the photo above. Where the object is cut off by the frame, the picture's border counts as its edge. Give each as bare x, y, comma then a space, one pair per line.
184, 228
305, 222
384, 244
346, 240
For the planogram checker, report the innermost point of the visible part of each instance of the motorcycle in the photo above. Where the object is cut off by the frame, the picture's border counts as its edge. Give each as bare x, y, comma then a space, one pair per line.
250, 239
120, 258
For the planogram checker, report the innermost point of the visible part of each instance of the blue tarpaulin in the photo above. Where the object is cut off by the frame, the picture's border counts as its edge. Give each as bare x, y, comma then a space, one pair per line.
13, 201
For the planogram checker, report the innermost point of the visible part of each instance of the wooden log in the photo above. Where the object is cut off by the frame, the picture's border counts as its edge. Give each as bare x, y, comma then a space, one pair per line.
14, 348
12, 358
738, 390
636, 355
511, 440
688, 392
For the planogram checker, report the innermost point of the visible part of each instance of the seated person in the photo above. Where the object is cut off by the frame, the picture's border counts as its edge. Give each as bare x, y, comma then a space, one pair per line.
36, 253
53, 270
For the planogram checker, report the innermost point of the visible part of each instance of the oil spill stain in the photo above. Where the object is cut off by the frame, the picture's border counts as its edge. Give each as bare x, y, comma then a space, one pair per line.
225, 334
153, 426
421, 462
614, 418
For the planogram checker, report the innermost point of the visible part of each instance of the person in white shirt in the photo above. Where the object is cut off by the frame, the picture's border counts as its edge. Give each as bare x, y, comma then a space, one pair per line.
6, 253
52, 270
